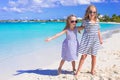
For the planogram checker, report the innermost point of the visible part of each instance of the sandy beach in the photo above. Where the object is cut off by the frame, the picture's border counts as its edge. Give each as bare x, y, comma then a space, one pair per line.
107, 68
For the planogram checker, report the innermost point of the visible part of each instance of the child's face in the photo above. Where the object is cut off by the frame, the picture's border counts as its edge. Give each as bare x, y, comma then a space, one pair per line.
73, 21
92, 13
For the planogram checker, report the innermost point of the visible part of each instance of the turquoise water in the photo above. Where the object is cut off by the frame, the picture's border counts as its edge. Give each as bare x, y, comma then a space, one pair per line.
28, 37
108, 26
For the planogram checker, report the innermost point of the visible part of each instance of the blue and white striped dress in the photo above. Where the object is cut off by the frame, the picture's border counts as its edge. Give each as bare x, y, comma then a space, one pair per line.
90, 41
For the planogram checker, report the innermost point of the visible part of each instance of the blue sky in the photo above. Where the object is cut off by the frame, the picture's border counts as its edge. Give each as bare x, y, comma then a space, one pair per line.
54, 9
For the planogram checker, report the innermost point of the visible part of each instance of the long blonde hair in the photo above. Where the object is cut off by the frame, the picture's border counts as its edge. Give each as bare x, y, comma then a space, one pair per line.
67, 21
86, 17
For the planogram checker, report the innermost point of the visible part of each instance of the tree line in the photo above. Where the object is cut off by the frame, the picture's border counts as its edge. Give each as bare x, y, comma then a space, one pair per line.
106, 18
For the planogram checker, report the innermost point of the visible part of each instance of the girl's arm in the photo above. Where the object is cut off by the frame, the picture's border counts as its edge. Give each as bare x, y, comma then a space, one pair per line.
82, 25
55, 36
80, 28
100, 38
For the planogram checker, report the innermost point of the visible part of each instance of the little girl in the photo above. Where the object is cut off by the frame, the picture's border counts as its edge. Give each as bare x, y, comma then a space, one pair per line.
70, 44
91, 38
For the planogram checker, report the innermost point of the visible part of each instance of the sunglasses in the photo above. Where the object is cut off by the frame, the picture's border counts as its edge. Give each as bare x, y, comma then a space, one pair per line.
72, 21
92, 12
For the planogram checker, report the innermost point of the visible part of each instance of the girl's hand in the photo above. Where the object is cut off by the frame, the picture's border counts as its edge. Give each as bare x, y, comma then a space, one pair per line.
48, 39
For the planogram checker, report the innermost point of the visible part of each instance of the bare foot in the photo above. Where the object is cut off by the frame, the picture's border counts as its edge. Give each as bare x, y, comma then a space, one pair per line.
76, 75
74, 71
93, 72
59, 71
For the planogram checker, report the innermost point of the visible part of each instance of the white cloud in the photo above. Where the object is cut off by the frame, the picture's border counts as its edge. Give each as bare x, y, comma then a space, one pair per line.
68, 2
79, 2
37, 5
18, 2
12, 3
37, 1
97, 0
16, 9
5, 9
23, 2
84, 1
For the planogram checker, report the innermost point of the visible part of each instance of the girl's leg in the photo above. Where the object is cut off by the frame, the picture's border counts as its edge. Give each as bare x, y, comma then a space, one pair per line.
93, 64
83, 57
73, 65
60, 66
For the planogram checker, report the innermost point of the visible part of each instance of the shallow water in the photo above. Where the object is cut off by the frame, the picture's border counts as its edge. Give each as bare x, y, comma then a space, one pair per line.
28, 38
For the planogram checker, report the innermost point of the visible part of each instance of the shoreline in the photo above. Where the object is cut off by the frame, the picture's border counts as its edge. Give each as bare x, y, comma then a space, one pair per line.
111, 22
107, 34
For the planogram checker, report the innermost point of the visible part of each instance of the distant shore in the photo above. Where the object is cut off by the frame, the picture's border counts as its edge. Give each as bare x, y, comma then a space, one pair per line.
55, 20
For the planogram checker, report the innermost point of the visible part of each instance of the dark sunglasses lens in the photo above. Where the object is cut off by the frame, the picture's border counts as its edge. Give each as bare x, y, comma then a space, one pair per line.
92, 12
76, 21
73, 21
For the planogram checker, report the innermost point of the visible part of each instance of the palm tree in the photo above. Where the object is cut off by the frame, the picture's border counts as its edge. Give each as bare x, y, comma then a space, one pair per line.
115, 18
106, 18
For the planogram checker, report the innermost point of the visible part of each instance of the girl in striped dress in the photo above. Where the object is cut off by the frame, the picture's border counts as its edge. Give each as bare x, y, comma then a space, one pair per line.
70, 44
91, 38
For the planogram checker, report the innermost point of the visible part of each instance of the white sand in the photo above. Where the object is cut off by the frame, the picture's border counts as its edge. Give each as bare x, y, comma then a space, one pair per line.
107, 68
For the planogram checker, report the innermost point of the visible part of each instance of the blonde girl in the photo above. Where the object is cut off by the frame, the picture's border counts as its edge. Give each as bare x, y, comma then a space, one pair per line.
91, 38
70, 44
